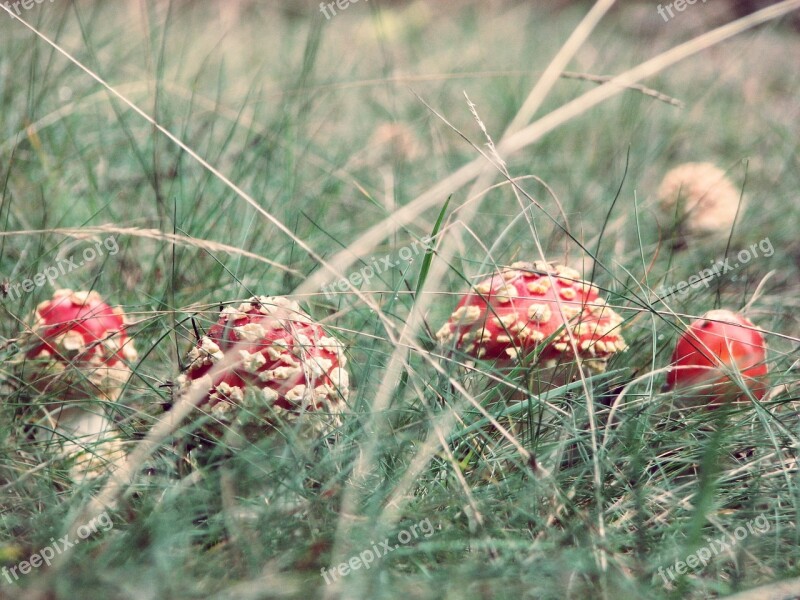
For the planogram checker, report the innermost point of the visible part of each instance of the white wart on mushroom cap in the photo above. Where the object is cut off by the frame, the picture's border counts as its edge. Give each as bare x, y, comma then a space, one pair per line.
516, 310
279, 364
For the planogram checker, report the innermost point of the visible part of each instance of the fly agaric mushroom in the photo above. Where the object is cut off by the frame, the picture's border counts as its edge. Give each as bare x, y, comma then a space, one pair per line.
719, 342
283, 365
77, 347
701, 196
535, 306
76, 351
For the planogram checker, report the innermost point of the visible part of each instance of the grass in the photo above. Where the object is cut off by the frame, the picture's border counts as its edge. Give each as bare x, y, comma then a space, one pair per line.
297, 113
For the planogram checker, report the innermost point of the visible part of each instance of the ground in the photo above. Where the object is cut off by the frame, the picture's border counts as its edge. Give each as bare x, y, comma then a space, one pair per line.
212, 152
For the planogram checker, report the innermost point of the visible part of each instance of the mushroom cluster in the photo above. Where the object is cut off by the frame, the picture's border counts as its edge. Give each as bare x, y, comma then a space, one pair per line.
717, 359
76, 353
265, 361
537, 307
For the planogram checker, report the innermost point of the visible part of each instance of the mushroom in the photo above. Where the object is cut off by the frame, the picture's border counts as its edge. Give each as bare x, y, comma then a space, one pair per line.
714, 346
283, 365
76, 352
701, 197
535, 307
78, 347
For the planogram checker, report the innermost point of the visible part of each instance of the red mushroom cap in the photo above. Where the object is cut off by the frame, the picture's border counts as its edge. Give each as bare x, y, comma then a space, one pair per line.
718, 342
77, 347
287, 362
517, 309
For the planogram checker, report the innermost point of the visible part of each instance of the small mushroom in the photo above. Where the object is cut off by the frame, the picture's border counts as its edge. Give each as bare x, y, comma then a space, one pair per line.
535, 307
284, 365
77, 351
714, 346
701, 197
77, 348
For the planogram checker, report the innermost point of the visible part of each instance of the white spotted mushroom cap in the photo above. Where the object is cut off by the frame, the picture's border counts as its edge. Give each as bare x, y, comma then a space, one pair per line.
77, 348
529, 304
284, 364
704, 198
